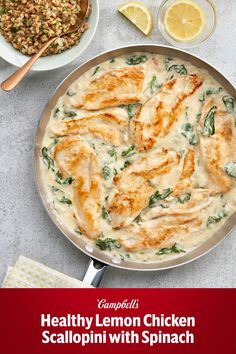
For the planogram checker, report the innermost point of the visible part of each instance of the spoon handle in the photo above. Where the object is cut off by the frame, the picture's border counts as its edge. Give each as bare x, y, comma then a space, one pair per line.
15, 78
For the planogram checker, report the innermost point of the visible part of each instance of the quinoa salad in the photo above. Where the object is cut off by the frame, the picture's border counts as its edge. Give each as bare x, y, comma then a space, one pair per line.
28, 24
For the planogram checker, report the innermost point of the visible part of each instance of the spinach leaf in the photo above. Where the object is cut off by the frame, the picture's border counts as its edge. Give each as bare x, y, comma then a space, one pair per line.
107, 244
131, 109
62, 181
229, 103
216, 218
53, 143
70, 114
129, 152
209, 124
230, 168
126, 164
167, 62
188, 133
184, 198
106, 171
158, 196
136, 59
70, 94
154, 84
179, 69
137, 219
164, 206
65, 200
57, 110
55, 189
173, 249
47, 160
96, 70
105, 214
209, 92
113, 153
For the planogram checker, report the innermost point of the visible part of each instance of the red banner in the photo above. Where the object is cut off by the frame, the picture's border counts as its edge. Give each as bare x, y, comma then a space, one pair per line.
115, 320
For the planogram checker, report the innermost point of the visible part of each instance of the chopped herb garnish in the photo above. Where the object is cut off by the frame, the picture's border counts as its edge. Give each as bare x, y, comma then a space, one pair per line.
96, 70
188, 133
115, 171
216, 218
131, 109
112, 60
184, 198
78, 231
113, 153
136, 59
154, 85
230, 168
47, 160
105, 214
129, 152
209, 124
107, 244
106, 171
173, 249
179, 69
65, 200
159, 196
229, 103
62, 181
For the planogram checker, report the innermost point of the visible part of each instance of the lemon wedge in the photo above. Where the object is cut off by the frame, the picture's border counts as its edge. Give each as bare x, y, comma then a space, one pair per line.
139, 15
184, 20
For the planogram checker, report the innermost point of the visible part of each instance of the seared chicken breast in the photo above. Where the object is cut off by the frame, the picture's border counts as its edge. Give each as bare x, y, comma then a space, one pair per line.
217, 145
114, 88
76, 158
159, 114
185, 182
132, 188
158, 232
106, 126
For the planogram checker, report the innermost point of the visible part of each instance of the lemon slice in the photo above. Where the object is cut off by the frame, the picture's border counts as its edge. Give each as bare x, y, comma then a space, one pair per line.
184, 20
139, 15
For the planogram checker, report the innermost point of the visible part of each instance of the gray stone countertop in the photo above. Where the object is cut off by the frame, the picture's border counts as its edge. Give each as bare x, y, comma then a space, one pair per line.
25, 227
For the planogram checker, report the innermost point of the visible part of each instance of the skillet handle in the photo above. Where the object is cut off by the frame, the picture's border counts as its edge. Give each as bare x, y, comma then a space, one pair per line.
94, 273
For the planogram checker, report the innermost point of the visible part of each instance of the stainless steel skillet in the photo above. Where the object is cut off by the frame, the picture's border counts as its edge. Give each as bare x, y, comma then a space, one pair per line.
99, 261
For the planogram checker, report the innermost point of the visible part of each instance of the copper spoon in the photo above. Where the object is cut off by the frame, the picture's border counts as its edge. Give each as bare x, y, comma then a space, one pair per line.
15, 78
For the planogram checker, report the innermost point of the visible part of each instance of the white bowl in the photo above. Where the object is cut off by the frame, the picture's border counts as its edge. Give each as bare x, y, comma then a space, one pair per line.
50, 62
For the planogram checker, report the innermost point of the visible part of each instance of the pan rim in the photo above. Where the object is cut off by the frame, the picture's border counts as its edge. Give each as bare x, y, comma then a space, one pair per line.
191, 256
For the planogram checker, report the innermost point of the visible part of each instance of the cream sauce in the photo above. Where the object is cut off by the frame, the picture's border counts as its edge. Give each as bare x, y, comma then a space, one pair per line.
155, 65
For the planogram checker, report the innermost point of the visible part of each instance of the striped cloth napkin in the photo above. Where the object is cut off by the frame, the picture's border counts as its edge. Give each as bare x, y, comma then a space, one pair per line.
30, 274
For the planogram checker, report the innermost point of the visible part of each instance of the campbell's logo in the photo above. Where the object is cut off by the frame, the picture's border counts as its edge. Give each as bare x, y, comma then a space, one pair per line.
125, 304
